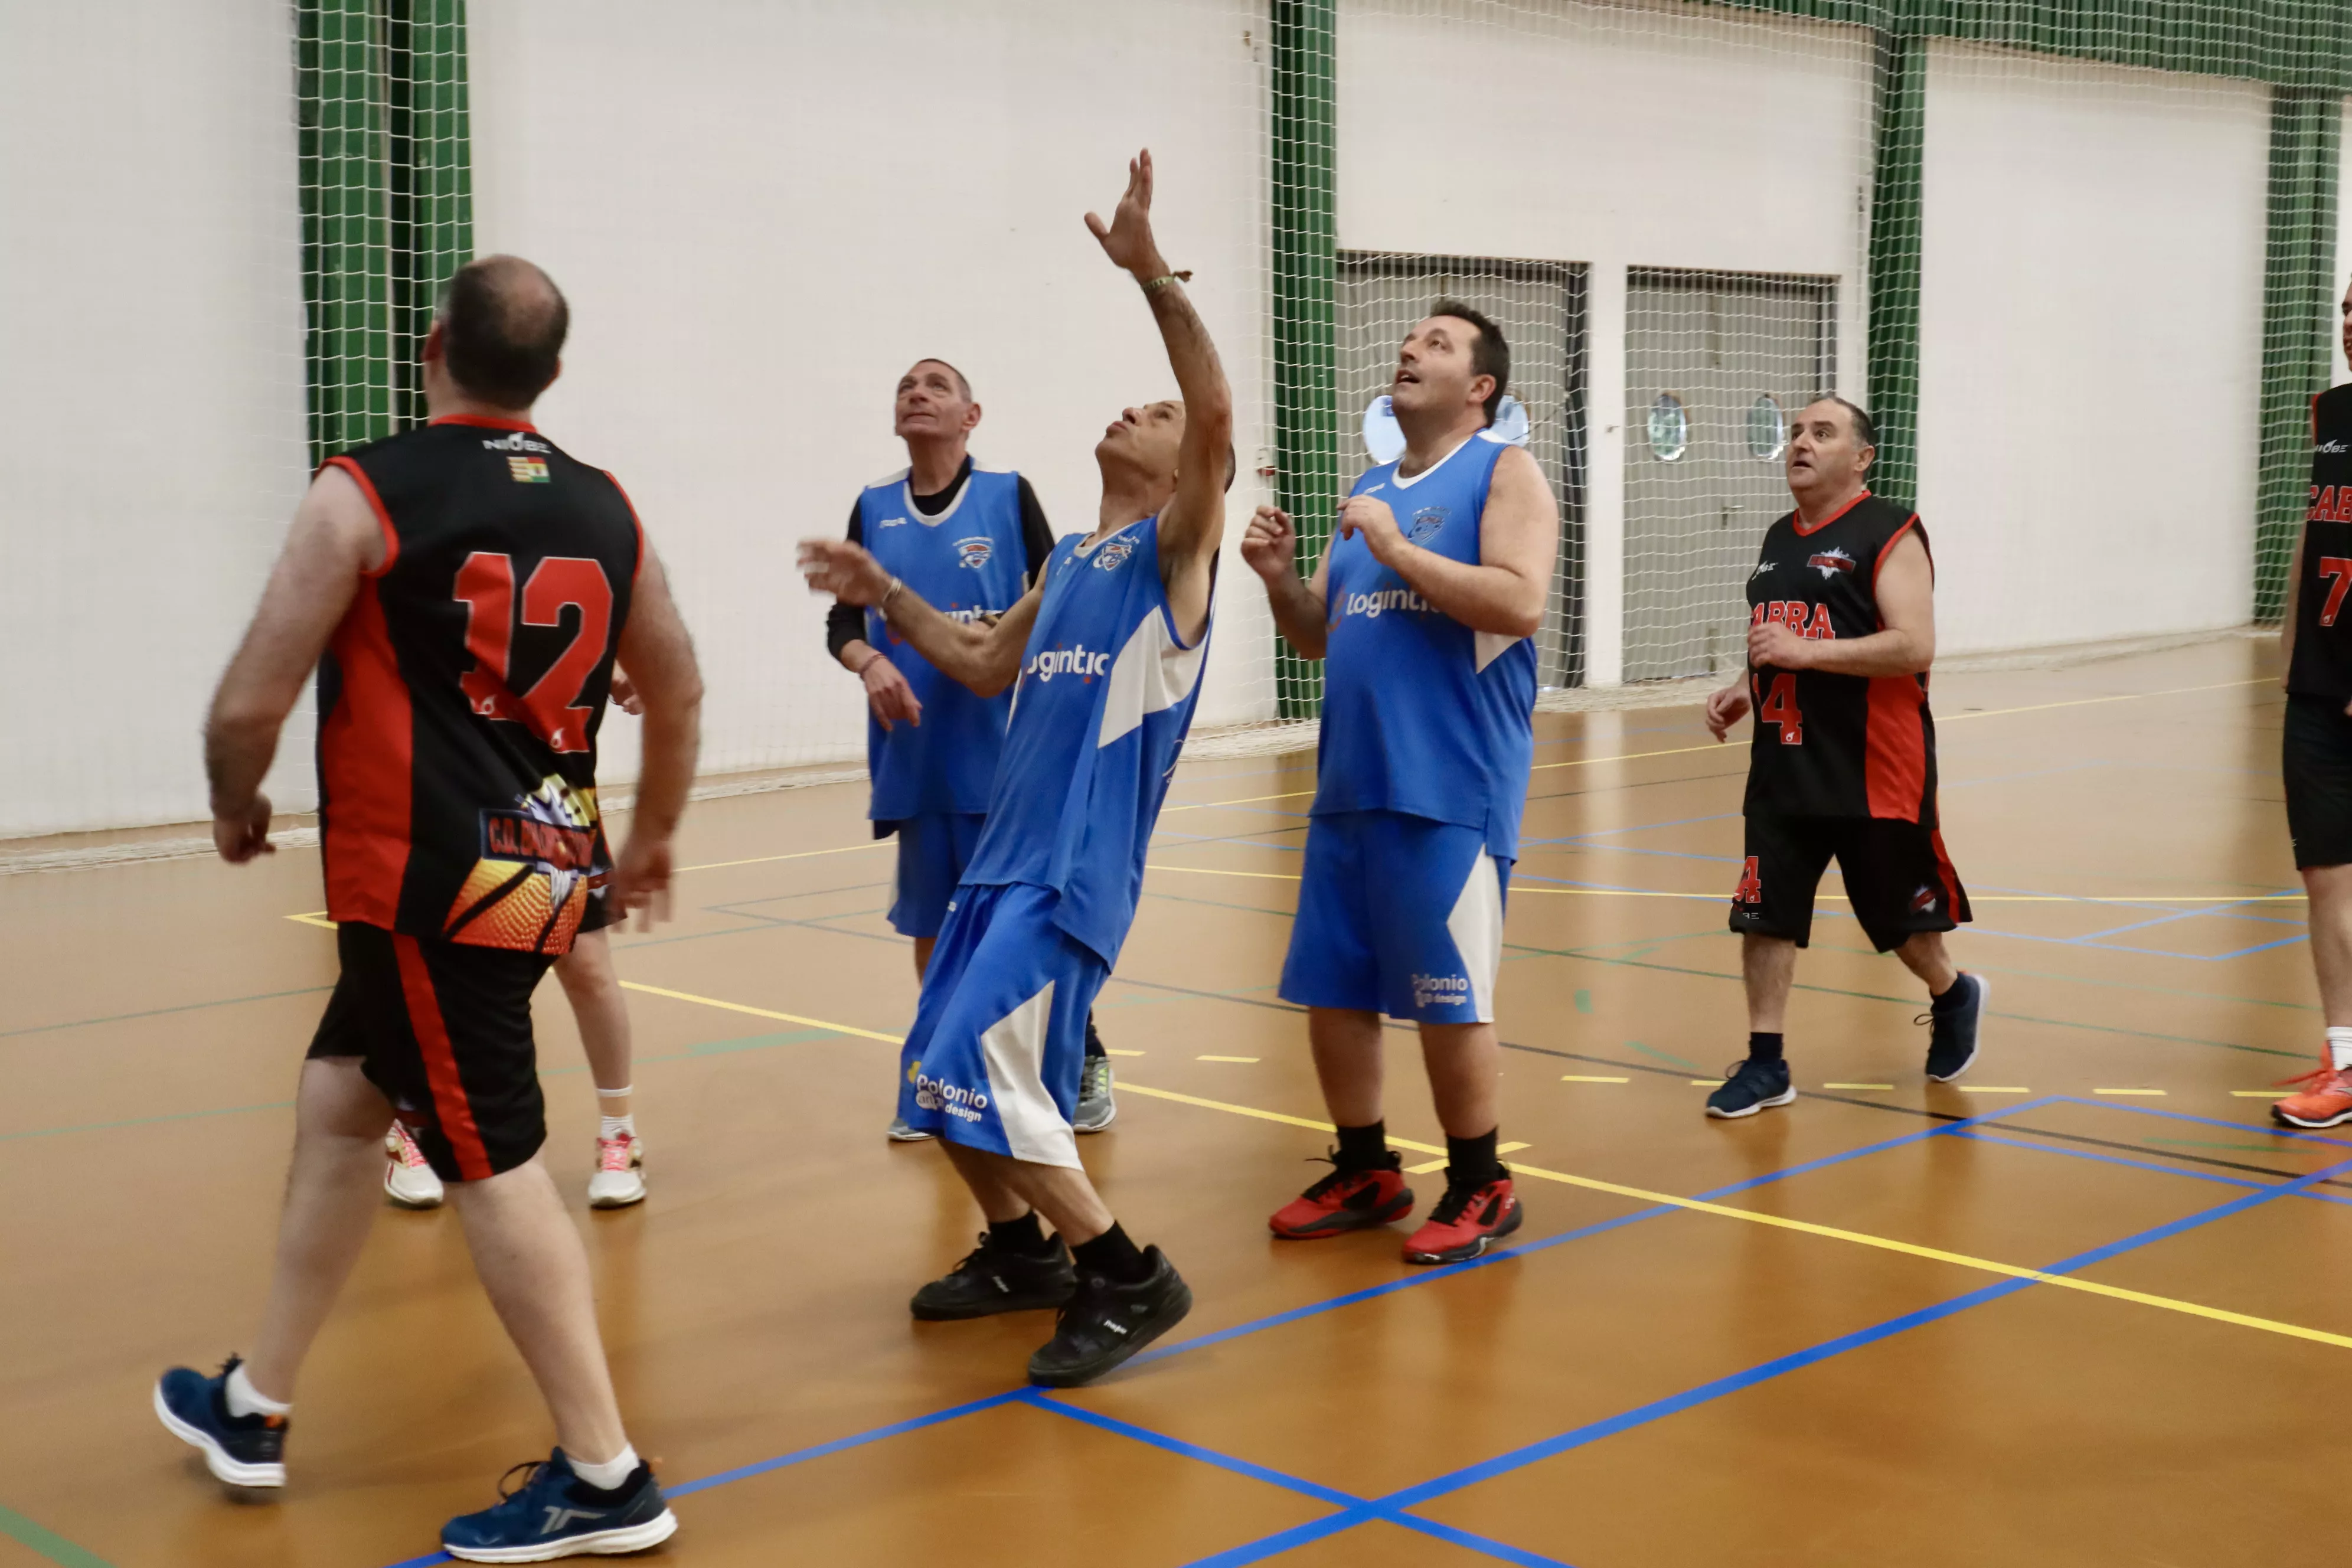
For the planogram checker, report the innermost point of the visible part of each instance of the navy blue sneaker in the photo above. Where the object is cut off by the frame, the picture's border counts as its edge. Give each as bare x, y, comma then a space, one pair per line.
555, 1513
1952, 1030
1749, 1087
243, 1450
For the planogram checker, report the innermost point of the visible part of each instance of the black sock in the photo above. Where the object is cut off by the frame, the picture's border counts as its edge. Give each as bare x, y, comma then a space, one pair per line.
1471, 1162
1094, 1040
1951, 996
1022, 1235
1364, 1147
1114, 1256
1763, 1048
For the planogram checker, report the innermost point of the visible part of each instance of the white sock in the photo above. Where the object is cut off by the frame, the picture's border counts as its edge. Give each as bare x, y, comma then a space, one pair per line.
626, 1126
609, 1473
2339, 1049
243, 1399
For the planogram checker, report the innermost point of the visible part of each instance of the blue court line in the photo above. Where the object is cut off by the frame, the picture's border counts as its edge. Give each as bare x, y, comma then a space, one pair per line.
1976, 1137
2299, 1134
1706, 1393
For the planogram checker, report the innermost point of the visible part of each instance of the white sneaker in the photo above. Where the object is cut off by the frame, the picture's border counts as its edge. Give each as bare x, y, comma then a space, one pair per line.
620, 1178
408, 1180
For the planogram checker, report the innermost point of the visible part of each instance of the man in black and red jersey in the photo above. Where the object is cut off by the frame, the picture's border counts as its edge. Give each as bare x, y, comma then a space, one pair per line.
2317, 752
1841, 631
464, 590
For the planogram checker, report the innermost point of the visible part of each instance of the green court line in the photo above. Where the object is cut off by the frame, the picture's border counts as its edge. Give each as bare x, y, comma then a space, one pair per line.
146, 1121
47, 1542
1584, 1001
163, 1012
1667, 1057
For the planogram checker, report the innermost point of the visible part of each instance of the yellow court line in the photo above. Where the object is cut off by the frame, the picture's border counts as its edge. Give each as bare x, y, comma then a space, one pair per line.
1586, 1077
1886, 1086
1696, 1206
1992, 1089
1518, 888
1859, 1238
1246, 1060
2146, 1091
2259, 1094
2124, 697
797, 854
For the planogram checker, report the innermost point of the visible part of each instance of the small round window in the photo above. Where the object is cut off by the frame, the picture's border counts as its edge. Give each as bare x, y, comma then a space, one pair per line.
1767, 428
1669, 428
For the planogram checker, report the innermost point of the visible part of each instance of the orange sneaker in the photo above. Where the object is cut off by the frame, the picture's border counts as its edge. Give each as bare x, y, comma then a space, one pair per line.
2325, 1101
1345, 1201
1466, 1223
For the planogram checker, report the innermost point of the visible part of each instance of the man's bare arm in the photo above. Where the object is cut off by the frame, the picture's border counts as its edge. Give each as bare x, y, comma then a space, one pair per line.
335, 541
1518, 544
1906, 611
986, 657
1270, 549
659, 656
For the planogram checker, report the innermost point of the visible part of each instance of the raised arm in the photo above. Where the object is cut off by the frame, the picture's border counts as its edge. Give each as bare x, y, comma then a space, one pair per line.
1906, 613
986, 657
1194, 524
334, 542
661, 664
1518, 541
1301, 610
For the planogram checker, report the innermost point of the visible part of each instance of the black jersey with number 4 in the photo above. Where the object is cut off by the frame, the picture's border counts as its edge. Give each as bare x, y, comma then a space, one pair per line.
459, 701
2322, 665
1836, 745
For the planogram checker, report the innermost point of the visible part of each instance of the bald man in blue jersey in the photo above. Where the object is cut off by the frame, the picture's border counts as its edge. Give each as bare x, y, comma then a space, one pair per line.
1423, 609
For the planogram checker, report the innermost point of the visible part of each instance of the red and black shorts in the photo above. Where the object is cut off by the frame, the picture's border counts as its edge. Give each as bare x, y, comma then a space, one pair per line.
444, 1030
1897, 877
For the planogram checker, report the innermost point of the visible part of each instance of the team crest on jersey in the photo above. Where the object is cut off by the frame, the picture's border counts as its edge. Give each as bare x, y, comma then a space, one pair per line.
892, 522
1113, 555
538, 864
528, 471
1830, 563
1425, 523
974, 552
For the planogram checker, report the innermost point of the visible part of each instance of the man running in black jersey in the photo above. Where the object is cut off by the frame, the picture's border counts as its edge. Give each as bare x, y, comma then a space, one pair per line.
973, 539
1841, 631
464, 590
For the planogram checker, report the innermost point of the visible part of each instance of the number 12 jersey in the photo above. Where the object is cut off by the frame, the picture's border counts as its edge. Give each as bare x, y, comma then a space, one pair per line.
1828, 745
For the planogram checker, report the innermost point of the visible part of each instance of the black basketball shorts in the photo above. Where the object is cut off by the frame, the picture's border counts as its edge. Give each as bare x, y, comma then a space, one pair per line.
2317, 765
1897, 877
444, 1030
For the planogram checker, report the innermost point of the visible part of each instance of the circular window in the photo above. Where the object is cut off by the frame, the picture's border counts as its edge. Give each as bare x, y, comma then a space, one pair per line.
1669, 428
1767, 428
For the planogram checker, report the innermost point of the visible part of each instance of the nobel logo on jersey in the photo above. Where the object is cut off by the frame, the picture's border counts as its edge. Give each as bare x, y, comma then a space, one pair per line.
1829, 563
975, 551
527, 470
1113, 555
1078, 661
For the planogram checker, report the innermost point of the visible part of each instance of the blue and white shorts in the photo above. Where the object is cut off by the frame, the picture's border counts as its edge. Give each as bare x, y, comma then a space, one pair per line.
1000, 1035
1398, 914
933, 851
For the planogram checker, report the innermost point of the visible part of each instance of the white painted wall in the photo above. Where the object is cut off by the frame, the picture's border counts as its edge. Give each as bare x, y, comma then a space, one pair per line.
1618, 135
763, 212
2091, 348
151, 390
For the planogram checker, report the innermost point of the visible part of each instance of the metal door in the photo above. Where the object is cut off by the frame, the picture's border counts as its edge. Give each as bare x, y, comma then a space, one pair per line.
1539, 306
1716, 365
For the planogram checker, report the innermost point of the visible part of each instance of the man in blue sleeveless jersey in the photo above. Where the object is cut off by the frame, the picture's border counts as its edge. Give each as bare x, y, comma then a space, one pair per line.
1422, 609
971, 541
1108, 652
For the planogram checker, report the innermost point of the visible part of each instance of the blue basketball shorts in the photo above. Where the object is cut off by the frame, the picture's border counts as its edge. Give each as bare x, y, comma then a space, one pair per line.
933, 851
1400, 915
1000, 1035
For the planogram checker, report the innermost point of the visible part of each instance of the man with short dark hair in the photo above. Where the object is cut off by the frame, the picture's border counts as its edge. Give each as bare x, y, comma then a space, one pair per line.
1840, 633
971, 541
1423, 610
1107, 650
463, 590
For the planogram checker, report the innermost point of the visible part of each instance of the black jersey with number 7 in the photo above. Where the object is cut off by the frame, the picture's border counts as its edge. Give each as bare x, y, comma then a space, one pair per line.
1827, 744
460, 699
2322, 665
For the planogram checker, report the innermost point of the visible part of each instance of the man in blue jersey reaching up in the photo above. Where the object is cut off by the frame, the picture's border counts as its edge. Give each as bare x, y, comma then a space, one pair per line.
1422, 610
971, 541
1106, 650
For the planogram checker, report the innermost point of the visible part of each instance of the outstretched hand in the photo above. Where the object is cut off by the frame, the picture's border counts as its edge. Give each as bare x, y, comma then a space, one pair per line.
1128, 239
845, 570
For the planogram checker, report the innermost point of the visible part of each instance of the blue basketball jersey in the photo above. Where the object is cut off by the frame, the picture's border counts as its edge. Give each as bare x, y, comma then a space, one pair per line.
1106, 695
1421, 714
967, 562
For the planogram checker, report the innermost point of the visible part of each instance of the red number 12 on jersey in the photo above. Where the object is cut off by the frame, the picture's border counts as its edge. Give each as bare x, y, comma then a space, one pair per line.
486, 587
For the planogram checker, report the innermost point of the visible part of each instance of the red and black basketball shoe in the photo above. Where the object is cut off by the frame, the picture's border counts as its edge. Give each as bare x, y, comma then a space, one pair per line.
1344, 1201
1466, 1223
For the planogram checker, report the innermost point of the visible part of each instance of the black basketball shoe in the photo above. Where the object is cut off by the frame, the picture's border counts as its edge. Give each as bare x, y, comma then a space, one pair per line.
992, 1279
1952, 1027
1749, 1087
1105, 1322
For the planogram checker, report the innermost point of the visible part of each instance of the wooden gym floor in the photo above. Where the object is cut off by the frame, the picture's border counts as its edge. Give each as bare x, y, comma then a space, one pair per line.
2083, 1308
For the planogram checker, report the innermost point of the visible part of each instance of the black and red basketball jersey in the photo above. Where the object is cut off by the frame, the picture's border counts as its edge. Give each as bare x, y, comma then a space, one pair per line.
459, 701
1836, 745
2322, 666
